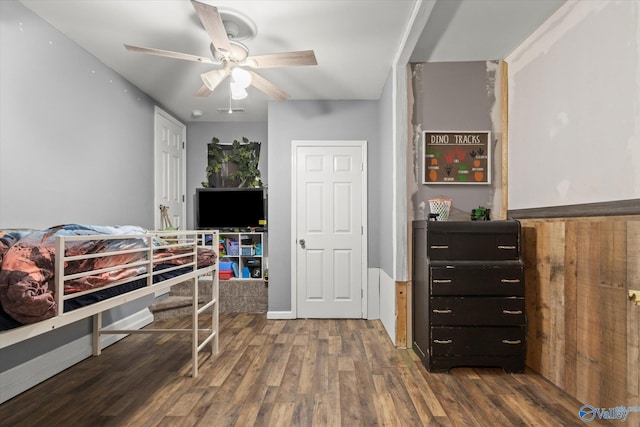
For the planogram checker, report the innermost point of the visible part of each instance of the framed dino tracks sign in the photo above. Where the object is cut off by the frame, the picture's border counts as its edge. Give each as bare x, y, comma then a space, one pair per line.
456, 157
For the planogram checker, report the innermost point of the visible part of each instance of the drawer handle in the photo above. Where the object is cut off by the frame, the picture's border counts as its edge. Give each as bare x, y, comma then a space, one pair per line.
510, 280
507, 247
443, 341
512, 311
447, 311
439, 246
442, 280
512, 342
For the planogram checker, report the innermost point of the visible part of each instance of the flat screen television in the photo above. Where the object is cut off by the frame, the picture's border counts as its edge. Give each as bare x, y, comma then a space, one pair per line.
230, 208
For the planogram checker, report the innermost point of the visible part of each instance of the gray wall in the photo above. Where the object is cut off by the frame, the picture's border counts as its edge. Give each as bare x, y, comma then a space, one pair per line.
381, 184
308, 120
76, 145
453, 96
76, 141
199, 134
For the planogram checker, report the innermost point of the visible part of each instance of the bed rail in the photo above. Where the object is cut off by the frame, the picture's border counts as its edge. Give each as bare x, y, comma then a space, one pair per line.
143, 252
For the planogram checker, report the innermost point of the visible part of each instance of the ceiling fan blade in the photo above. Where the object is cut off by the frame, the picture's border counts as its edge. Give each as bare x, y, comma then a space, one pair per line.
212, 22
213, 78
287, 59
203, 91
267, 87
170, 54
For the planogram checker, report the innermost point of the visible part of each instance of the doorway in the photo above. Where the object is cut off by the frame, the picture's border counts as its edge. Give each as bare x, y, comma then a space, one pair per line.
329, 227
170, 178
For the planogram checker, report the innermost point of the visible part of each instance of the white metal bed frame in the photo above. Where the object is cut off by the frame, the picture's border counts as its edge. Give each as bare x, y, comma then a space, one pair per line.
175, 239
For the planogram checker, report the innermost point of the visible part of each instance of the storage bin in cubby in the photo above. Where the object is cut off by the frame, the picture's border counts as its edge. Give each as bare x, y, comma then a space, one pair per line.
232, 247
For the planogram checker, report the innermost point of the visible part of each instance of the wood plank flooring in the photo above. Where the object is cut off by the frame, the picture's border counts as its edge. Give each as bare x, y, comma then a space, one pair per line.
285, 373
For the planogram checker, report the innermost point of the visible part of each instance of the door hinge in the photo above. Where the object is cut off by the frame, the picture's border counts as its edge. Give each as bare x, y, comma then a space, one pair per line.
361, 167
183, 198
184, 145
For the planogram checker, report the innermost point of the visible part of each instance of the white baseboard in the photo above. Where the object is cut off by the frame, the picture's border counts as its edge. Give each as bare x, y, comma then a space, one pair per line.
282, 315
22, 377
374, 301
388, 304
373, 293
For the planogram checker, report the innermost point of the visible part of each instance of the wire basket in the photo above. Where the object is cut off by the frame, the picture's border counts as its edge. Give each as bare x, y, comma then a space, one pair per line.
440, 207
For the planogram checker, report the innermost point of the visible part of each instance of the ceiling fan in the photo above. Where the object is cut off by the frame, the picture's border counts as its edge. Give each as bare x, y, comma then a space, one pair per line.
233, 57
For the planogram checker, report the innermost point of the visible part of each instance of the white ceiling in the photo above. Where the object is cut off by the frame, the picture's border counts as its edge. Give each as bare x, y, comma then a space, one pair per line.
355, 42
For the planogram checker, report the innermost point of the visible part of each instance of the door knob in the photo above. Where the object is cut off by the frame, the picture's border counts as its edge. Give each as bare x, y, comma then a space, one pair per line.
302, 243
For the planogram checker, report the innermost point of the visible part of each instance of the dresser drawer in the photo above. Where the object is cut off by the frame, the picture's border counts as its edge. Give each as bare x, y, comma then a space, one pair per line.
473, 247
477, 311
460, 278
478, 341
473, 240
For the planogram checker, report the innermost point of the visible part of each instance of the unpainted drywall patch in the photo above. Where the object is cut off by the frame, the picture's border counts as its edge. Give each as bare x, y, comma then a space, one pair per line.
563, 188
563, 120
574, 108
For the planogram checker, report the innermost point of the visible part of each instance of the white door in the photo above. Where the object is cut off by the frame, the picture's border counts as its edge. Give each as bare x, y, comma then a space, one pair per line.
329, 228
170, 168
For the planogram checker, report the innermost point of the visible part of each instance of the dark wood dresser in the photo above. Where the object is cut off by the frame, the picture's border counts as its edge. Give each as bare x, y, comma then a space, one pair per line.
468, 294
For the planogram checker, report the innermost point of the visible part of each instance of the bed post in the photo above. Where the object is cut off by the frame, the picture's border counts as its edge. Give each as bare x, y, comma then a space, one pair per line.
194, 328
97, 326
150, 260
215, 322
59, 275
195, 336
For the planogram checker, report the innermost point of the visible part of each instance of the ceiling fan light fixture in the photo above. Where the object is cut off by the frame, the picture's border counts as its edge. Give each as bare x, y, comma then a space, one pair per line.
238, 92
241, 77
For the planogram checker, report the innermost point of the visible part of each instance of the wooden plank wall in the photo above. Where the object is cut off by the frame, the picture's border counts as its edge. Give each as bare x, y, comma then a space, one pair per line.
583, 331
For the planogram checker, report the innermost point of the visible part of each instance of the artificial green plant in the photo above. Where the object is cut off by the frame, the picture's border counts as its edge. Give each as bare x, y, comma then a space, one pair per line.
243, 156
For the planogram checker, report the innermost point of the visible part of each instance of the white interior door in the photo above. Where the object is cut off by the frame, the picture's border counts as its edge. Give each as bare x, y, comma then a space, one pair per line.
329, 227
170, 168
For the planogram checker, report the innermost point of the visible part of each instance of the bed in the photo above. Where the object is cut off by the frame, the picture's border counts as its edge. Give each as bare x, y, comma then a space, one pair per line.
54, 277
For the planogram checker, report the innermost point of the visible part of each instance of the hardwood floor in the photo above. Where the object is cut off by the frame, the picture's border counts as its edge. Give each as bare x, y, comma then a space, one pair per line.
285, 373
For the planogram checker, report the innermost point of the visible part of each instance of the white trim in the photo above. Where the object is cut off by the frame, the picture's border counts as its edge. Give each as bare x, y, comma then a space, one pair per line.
281, 315
373, 283
364, 260
293, 232
388, 314
26, 375
364, 268
400, 115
